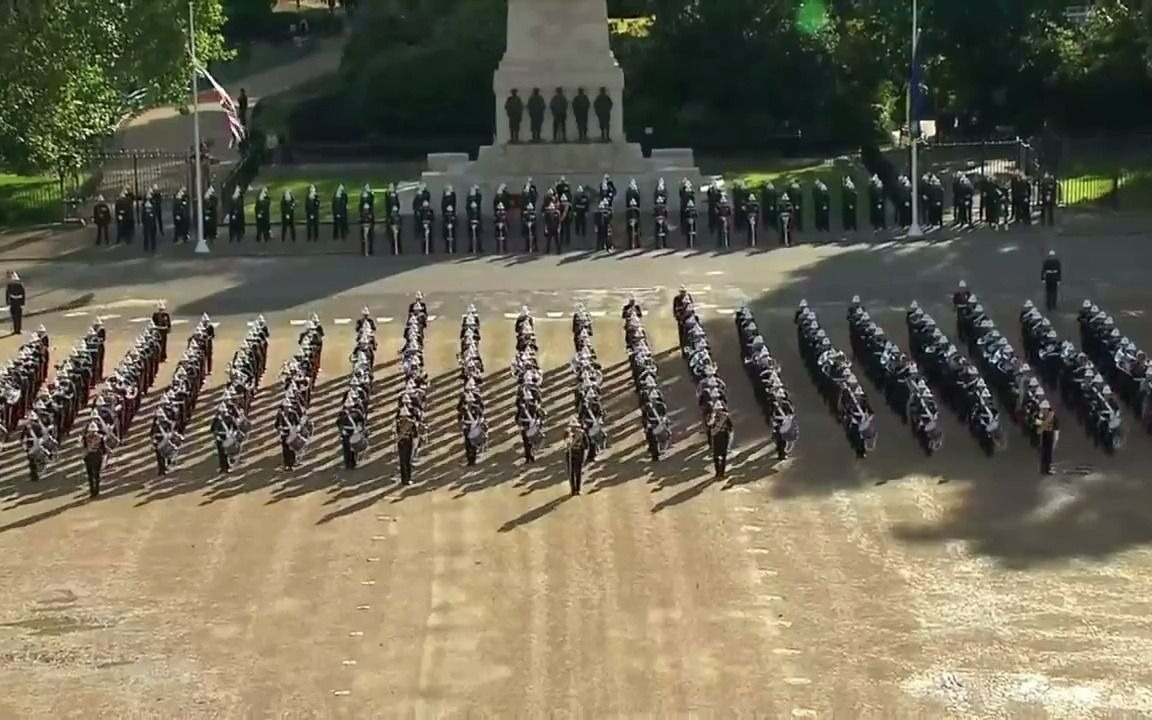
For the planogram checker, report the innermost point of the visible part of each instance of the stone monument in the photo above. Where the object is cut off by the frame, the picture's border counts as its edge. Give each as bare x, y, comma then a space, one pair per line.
559, 48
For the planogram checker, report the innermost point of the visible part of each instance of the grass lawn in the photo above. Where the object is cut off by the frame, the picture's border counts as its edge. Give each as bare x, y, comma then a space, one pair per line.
278, 179
29, 200
1122, 184
755, 172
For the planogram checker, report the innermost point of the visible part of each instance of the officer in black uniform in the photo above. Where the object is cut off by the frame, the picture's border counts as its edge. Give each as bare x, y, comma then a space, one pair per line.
264, 216
181, 216
148, 221
1048, 197
712, 196
604, 227
347, 421
448, 225
514, 107
163, 322
405, 447
575, 451
125, 217
1049, 434
877, 213
94, 451
312, 215
236, 212
211, 215
287, 216
822, 202
1050, 274
770, 202
157, 201
581, 205
751, 214
848, 200
475, 224
529, 196
427, 218
340, 214
101, 218
14, 297
564, 207
965, 196
719, 437
738, 194
602, 106
691, 223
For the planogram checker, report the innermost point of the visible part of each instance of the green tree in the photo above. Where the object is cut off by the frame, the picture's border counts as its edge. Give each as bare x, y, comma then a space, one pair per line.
67, 67
246, 19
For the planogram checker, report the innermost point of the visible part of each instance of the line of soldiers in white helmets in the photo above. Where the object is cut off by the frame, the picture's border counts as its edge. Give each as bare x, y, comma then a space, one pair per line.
646, 382
531, 417
711, 391
1010, 376
178, 402
411, 429
21, 380
118, 401
957, 381
831, 371
763, 372
589, 376
470, 411
1081, 384
231, 425
51, 416
298, 380
896, 376
352, 421
1124, 365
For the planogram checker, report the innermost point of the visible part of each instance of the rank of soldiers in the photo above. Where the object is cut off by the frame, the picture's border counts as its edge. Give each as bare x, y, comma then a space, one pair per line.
548, 221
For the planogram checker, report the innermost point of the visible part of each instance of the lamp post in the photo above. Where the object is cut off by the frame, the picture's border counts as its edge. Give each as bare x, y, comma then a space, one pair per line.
914, 231
202, 247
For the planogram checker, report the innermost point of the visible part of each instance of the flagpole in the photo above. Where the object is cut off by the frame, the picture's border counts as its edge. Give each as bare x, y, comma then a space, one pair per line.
201, 242
914, 232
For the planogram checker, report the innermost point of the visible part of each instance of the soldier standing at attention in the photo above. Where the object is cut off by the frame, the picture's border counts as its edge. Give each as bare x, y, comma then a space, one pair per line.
312, 214
1049, 434
94, 451
148, 220
340, 214
575, 452
14, 297
287, 216
405, 446
163, 322
102, 218
1050, 274
559, 107
719, 438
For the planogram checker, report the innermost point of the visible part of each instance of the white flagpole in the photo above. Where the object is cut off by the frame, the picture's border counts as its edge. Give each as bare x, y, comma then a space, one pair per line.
914, 232
201, 243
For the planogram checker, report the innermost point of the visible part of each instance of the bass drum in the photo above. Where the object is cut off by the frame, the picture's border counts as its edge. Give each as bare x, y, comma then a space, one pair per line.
358, 441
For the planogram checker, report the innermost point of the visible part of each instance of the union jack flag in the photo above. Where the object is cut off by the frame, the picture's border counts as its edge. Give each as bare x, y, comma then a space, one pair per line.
235, 126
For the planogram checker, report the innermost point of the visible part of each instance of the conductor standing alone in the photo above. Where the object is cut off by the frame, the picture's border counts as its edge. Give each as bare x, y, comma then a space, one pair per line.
14, 297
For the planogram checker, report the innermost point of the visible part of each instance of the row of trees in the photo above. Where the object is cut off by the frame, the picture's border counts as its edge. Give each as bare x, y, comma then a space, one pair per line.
69, 67
751, 72
709, 74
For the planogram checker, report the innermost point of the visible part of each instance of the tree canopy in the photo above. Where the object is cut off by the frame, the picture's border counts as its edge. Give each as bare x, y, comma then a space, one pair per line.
751, 72
68, 66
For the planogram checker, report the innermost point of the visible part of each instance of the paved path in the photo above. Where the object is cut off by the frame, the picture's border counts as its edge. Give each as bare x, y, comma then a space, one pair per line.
794, 589
166, 128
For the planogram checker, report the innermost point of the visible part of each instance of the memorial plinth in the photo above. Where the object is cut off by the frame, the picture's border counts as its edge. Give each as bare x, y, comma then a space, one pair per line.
559, 45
